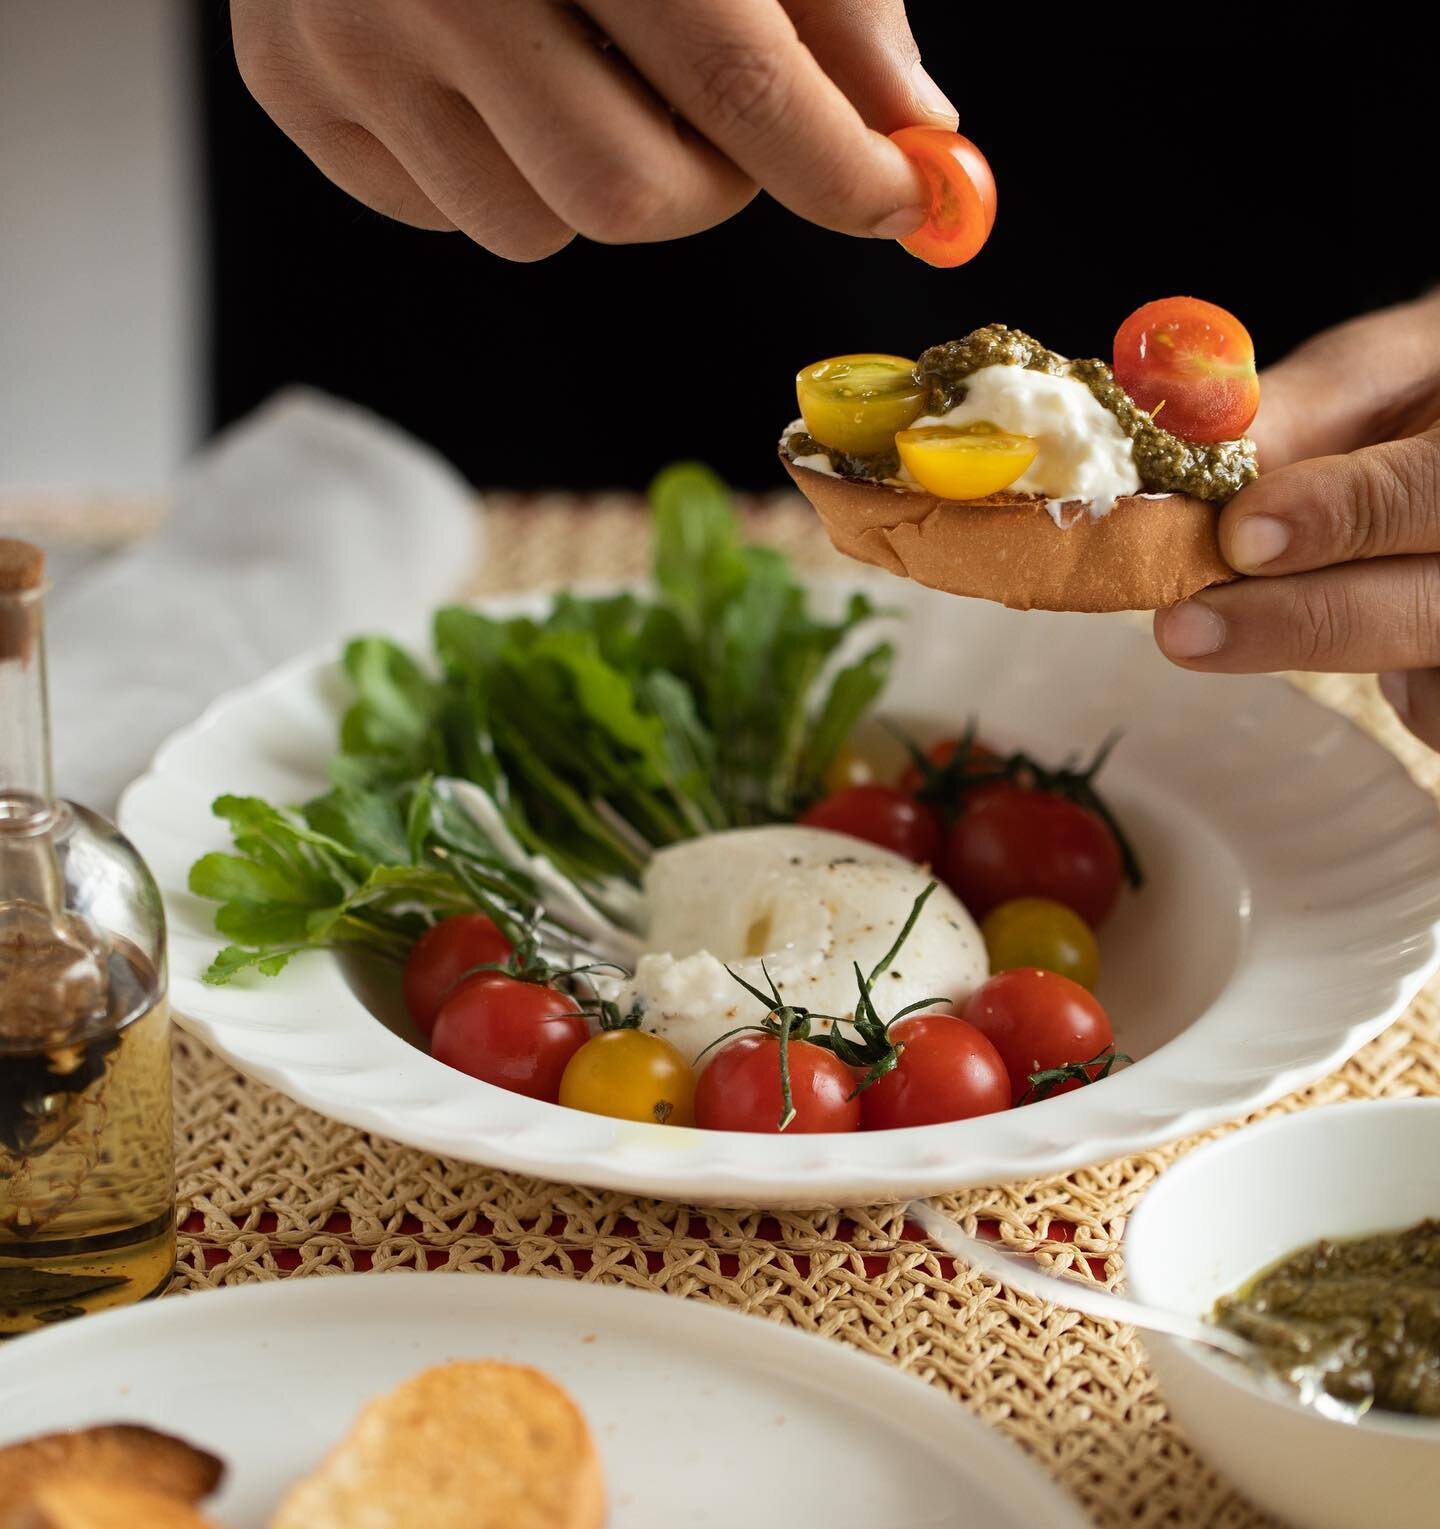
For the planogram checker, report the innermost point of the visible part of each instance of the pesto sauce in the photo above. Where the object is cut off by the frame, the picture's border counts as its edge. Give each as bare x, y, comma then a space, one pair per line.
1365, 1313
1166, 464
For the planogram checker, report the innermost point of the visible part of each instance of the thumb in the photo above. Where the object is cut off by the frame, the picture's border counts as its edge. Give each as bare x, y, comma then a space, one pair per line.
867, 48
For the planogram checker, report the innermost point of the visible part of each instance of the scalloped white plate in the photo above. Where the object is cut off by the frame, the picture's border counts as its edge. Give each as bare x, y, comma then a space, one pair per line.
1292, 911
701, 1415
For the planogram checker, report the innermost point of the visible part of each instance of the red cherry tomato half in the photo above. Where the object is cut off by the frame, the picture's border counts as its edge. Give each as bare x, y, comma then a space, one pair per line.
947, 1071
882, 815
516, 1035
1037, 1020
962, 195
1196, 360
441, 956
1014, 842
940, 754
740, 1088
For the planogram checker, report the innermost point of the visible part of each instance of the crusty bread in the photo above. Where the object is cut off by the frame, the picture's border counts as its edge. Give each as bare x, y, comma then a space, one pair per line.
113, 1453
90, 1505
1146, 554
468, 1445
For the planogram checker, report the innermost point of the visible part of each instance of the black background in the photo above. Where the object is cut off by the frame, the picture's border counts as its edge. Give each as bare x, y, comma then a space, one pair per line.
1291, 180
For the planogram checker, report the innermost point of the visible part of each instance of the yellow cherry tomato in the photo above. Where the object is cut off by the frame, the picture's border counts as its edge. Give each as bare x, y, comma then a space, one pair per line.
630, 1075
964, 461
848, 768
1033, 931
857, 403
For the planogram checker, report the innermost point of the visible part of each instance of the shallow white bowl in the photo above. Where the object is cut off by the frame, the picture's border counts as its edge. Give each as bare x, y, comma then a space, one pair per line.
1292, 911
1235, 1206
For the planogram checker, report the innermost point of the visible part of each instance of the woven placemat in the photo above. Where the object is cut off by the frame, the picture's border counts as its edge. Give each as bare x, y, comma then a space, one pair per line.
269, 1189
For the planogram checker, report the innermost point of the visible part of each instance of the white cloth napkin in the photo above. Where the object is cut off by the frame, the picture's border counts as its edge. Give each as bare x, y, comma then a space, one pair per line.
304, 523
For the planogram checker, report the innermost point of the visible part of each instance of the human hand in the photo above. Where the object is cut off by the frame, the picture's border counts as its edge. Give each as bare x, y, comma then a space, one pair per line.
523, 122
1342, 529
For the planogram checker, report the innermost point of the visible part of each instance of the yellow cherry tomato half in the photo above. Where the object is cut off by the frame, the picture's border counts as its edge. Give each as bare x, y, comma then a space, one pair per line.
630, 1075
857, 403
964, 461
1033, 931
962, 195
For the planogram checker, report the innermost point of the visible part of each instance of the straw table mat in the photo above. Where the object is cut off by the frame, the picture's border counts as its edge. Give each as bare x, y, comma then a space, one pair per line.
269, 1190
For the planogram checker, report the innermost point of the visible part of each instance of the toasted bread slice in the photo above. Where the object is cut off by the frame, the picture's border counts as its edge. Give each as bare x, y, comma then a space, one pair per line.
90, 1505
1146, 553
109, 1455
468, 1445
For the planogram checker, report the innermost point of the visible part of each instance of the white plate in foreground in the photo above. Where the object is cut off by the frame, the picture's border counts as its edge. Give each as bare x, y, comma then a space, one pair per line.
1291, 912
701, 1415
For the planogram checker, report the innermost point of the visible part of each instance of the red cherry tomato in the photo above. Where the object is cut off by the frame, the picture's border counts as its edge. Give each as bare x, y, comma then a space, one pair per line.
740, 1088
1014, 842
962, 195
882, 815
947, 1071
516, 1035
1195, 359
1037, 1020
441, 956
940, 754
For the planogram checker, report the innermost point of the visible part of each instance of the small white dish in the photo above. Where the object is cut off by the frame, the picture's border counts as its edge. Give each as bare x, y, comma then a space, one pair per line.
1235, 1206
1292, 911
701, 1415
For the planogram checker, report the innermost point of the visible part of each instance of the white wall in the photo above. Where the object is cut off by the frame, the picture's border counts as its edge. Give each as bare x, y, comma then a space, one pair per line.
101, 279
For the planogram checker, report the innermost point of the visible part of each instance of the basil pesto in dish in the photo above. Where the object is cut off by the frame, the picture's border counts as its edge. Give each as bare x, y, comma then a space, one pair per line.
1364, 1315
1164, 462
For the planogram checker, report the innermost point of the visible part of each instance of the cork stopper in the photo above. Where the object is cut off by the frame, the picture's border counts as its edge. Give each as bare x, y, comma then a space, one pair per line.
22, 566
22, 572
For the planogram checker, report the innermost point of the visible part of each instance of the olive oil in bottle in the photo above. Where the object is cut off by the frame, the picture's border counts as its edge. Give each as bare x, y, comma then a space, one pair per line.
87, 1176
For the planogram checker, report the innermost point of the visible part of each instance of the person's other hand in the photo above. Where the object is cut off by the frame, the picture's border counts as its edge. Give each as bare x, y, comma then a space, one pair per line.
523, 122
1342, 529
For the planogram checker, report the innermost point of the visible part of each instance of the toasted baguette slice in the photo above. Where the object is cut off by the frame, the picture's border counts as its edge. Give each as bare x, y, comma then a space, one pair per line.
108, 1455
90, 1505
1147, 553
469, 1445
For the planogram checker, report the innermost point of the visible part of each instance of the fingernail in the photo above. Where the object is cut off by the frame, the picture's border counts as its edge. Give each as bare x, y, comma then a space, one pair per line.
1257, 540
930, 98
1395, 687
901, 222
1191, 630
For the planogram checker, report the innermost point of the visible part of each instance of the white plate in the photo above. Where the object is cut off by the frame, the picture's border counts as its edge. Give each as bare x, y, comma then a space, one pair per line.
1292, 911
702, 1416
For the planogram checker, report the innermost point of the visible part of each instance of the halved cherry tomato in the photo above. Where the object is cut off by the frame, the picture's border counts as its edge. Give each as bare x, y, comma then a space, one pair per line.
964, 461
1036, 931
962, 195
947, 1071
982, 757
516, 1035
1196, 360
857, 403
1038, 1020
740, 1088
441, 956
1010, 841
630, 1075
881, 815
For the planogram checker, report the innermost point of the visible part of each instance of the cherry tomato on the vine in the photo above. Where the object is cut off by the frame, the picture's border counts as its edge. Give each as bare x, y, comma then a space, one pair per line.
441, 956
882, 815
1010, 841
1038, 1020
630, 1075
1195, 360
962, 195
947, 1070
940, 754
739, 1089
1035, 931
516, 1035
